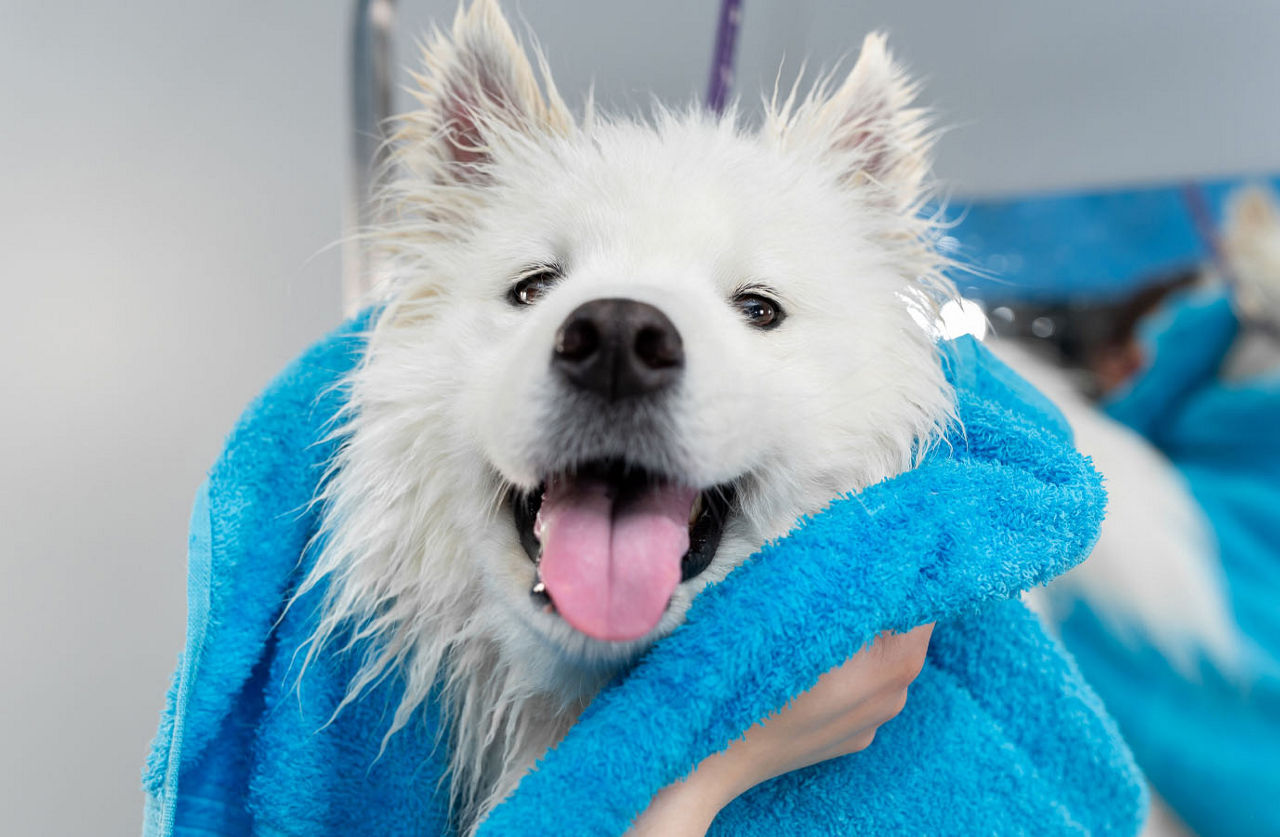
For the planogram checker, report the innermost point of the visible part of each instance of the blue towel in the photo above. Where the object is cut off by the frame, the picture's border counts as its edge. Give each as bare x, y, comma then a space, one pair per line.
1000, 734
1210, 746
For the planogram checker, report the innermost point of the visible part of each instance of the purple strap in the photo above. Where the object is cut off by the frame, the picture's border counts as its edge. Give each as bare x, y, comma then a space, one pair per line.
722, 64
1202, 217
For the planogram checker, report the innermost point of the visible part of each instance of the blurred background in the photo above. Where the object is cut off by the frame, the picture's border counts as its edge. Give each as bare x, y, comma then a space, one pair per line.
174, 175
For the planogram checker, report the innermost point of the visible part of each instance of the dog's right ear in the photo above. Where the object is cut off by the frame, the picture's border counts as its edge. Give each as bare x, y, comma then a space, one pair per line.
477, 91
866, 127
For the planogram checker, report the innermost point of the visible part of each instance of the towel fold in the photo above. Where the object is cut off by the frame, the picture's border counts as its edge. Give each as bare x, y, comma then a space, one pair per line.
1000, 734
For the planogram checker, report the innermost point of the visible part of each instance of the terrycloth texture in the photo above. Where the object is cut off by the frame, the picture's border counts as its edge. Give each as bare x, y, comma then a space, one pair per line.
1211, 748
1000, 734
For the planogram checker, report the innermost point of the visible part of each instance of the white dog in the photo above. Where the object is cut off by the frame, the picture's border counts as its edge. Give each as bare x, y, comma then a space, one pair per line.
616, 357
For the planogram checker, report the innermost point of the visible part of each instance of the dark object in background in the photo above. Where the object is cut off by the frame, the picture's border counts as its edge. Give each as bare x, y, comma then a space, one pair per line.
1096, 339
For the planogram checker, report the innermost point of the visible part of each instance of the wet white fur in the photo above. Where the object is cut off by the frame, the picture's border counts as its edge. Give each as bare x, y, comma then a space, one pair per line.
448, 412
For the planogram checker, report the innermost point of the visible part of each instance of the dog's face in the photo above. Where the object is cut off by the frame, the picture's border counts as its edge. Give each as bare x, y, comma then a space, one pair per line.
619, 357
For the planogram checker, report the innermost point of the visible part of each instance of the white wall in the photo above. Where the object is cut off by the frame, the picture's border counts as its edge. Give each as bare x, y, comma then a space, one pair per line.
169, 170
1039, 95
172, 173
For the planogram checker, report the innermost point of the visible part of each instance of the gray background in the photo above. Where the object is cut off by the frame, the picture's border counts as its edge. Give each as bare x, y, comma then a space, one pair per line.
172, 183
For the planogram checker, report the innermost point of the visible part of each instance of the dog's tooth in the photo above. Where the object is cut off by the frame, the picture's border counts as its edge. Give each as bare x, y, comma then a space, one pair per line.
696, 511
540, 596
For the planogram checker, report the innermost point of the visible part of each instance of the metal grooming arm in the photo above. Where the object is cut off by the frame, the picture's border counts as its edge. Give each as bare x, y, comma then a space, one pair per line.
371, 107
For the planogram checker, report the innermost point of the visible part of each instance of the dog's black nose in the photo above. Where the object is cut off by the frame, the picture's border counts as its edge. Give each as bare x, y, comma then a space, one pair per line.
618, 348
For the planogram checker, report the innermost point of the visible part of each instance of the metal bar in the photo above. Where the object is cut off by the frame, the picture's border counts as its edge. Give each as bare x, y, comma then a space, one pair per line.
371, 104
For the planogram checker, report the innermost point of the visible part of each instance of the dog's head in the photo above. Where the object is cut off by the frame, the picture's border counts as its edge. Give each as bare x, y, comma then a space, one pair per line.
618, 356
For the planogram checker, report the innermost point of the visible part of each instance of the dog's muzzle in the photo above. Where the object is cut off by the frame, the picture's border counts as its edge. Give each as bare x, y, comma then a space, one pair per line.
614, 528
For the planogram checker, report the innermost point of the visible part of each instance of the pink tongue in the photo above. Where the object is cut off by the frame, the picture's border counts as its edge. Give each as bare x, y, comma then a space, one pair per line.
611, 567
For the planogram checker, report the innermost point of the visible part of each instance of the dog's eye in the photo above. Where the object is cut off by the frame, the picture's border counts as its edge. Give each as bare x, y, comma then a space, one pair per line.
760, 311
533, 285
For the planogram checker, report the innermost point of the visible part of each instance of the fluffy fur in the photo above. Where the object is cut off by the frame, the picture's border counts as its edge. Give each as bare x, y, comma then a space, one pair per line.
455, 406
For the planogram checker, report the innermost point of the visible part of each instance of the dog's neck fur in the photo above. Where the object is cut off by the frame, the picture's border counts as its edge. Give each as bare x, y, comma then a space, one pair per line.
396, 565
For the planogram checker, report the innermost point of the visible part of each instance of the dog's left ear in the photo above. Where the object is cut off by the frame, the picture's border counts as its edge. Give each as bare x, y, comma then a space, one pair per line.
868, 127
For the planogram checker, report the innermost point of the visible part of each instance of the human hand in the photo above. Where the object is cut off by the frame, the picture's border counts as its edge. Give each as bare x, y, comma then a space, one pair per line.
838, 716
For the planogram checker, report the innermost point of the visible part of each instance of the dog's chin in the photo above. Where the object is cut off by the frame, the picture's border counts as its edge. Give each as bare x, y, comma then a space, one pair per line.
574, 654
657, 535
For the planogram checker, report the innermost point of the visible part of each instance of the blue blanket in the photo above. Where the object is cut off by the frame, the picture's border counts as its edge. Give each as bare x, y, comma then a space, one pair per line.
1000, 734
1097, 244
1211, 746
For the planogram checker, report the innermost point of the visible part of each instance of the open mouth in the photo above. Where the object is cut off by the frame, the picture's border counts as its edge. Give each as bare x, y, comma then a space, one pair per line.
613, 541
